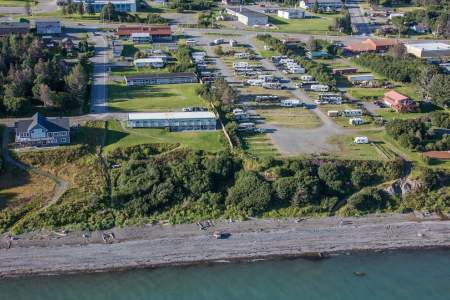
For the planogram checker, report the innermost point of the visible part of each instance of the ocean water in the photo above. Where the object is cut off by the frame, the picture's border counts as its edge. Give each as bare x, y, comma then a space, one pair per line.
393, 275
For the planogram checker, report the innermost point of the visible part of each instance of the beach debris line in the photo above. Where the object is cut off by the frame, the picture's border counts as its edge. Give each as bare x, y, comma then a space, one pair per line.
108, 237
219, 235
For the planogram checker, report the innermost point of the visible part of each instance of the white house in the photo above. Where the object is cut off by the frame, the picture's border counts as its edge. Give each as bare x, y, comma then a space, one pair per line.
176, 121
291, 13
154, 62
119, 5
324, 5
248, 17
48, 26
40, 131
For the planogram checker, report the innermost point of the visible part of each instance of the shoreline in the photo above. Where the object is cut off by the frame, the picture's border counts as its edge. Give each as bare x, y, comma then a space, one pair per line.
150, 247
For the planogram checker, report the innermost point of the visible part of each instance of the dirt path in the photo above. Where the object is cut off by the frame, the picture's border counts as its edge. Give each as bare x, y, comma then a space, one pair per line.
61, 185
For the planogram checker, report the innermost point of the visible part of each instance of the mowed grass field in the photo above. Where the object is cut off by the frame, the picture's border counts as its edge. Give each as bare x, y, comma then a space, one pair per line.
316, 25
259, 145
167, 97
289, 117
377, 149
123, 71
120, 136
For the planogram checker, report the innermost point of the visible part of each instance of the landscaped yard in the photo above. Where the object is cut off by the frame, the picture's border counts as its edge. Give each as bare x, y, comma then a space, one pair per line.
167, 97
315, 25
119, 136
289, 117
259, 145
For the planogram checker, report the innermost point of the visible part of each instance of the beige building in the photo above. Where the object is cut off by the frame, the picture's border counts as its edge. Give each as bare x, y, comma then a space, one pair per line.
428, 50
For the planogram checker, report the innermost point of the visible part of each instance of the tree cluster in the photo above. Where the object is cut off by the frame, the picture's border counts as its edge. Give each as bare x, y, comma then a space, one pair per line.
418, 135
109, 13
343, 23
31, 74
183, 60
197, 5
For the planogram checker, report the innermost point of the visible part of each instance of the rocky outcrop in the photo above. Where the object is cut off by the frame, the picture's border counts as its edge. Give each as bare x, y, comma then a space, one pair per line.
403, 186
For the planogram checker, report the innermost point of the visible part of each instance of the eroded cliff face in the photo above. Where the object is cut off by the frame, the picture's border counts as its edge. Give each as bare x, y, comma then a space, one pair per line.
403, 186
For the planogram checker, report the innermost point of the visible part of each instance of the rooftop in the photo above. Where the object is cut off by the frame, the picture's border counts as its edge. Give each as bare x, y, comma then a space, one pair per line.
159, 75
149, 60
431, 46
14, 25
140, 34
247, 12
395, 96
172, 115
153, 30
52, 125
47, 20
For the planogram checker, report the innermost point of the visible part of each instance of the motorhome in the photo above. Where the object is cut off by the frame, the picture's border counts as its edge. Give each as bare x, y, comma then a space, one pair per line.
356, 121
320, 88
333, 113
352, 112
361, 140
307, 78
255, 82
290, 103
242, 55
246, 126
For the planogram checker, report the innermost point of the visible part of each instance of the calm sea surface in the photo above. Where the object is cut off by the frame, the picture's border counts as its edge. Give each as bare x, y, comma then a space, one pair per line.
396, 275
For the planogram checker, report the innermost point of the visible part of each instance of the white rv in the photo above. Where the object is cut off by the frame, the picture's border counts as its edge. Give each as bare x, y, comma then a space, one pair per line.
361, 140
290, 103
320, 88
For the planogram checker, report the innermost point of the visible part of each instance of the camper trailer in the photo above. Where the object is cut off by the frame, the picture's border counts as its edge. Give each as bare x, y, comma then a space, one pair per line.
352, 112
333, 113
320, 88
356, 121
246, 127
361, 140
290, 103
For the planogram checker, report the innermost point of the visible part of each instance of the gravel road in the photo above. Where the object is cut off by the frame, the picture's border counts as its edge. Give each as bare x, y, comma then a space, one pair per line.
160, 245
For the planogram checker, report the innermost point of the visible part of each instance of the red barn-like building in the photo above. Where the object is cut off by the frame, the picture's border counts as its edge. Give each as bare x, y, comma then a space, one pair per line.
399, 102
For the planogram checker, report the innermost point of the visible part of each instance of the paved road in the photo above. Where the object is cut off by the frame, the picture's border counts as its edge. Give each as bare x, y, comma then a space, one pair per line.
99, 104
360, 22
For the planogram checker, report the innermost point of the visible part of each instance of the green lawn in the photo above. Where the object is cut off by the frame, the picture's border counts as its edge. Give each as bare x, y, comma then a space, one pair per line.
15, 3
117, 136
365, 93
316, 25
375, 150
167, 97
289, 117
122, 71
259, 145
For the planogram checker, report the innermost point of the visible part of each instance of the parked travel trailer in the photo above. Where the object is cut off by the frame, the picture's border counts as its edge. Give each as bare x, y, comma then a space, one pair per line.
242, 55
356, 121
320, 88
255, 82
307, 78
352, 112
246, 127
290, 103
191, 42
361, 140
333, 113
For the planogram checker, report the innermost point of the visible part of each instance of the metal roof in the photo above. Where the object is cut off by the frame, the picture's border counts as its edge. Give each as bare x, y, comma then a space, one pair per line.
171, 115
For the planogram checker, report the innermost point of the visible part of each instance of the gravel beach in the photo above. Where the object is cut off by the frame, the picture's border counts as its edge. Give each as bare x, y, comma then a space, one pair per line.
46, 253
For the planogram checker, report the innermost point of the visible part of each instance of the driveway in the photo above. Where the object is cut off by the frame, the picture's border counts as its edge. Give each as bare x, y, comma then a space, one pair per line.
99, 103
